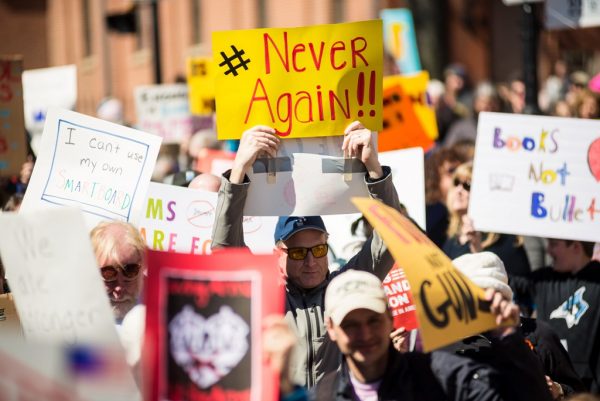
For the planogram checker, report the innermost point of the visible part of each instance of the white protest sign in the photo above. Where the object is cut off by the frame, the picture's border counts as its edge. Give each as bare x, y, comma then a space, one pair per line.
408, 177
164, 110
100, 167
561, 14
309, 180
60, 301
44, 88
181, 220
537, 176
52, 372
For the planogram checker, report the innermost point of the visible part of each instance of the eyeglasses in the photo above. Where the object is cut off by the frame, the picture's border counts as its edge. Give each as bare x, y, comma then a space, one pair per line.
130, 271
466, 185
300, 253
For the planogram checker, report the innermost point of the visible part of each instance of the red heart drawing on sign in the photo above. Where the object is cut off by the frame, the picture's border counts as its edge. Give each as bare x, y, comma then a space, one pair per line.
594, 158
208, 349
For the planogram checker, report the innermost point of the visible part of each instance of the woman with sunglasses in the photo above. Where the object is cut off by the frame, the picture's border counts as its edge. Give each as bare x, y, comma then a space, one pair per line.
462, 236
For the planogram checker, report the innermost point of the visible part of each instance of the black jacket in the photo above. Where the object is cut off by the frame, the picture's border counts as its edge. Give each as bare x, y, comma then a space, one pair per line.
443, 375
555, 360
570, 304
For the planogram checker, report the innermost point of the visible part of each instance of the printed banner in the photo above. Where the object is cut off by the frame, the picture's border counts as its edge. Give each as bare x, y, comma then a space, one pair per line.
449, 305
181, 220
537, 176
100, 167
13, 142
164, 110
304, 82
562, 14
411, 193
400, 39
204, 326
44, 88
400, 299
201, 82
408, 116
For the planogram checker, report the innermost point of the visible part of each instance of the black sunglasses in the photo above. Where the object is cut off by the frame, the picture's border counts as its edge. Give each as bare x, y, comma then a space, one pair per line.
300, 253
466, 185
130, 271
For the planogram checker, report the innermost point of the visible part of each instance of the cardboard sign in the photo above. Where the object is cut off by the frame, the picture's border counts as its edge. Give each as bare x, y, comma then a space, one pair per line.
204, 326
9, 318
164, 110
537, 176
400, 39
201, 82
60, 301
214, 161
13, 145
408, 117
100, 167
562, 14
181, 220
400, 299
304, 82
449, 305
411, 193
51, 372
44, 88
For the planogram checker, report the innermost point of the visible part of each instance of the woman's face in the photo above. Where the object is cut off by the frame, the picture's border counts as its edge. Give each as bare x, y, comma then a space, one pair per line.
446, 171
458, 196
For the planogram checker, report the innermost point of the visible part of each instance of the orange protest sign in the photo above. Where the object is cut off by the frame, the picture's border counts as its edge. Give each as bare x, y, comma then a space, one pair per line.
408, 119
449, 305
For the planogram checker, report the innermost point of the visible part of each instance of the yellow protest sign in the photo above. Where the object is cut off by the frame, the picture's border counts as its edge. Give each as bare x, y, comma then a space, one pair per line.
449, 306
201, 84
304, 82
408, 117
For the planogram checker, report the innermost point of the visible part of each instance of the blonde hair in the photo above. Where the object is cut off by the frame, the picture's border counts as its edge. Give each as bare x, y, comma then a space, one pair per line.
464, 172
109, 235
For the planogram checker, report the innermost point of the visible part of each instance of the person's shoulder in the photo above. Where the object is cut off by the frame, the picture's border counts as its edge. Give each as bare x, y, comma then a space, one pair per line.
591, 271
327, 387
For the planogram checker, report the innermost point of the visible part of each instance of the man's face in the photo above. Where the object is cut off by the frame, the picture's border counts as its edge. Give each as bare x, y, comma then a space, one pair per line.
311, 271
123, 292
563, 255
363, 335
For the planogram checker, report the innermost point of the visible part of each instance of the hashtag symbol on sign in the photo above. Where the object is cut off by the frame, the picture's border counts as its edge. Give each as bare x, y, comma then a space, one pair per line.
228, 61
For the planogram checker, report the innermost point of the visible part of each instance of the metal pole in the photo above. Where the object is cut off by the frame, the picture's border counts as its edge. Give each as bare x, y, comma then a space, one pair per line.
530, 32
156, 42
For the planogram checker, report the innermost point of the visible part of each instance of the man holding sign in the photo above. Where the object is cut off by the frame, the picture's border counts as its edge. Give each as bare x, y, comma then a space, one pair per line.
359, 322
301, 243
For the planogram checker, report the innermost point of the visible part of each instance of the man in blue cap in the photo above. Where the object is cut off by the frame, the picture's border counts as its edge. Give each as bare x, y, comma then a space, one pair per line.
301, 243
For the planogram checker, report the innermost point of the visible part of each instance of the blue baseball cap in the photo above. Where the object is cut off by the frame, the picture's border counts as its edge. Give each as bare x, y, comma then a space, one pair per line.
290, 225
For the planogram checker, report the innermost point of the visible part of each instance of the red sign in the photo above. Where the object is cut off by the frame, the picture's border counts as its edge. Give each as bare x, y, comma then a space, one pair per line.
400, 299
214, 161
204, 326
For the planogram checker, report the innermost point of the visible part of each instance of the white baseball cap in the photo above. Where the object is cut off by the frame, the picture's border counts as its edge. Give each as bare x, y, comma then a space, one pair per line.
486, 270
352, 290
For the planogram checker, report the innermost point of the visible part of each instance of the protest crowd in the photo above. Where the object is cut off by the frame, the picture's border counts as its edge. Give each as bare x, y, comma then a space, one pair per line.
521, 315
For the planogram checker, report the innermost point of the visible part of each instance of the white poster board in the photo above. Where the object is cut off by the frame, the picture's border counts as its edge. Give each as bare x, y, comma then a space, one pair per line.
408, 177
100, 167
537, 176
44, 88
309, 181
561, 14
178, 219
164, 110
60, 301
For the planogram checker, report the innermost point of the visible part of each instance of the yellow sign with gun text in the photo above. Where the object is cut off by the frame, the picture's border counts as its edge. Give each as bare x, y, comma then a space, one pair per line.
304, 82
449, 305
201, 83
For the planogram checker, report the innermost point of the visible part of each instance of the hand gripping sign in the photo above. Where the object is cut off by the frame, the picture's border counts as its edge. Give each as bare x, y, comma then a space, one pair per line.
449, 306
304, 82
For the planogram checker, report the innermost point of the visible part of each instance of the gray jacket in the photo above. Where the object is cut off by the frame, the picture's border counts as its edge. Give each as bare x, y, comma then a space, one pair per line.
315, 354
